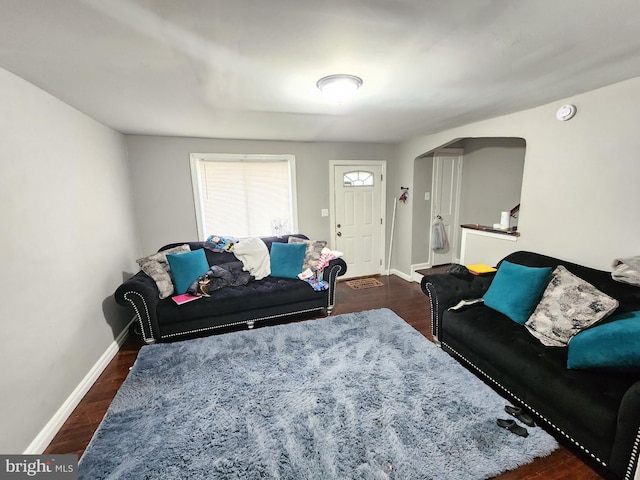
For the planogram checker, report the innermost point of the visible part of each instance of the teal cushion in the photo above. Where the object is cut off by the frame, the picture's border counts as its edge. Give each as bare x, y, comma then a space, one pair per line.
286, 259
610, 345
186, 268
516, 290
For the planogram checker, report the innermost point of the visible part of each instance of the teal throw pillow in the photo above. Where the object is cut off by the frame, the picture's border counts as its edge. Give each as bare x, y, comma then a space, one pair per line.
187, 267
611, 345
286, 259
516, 290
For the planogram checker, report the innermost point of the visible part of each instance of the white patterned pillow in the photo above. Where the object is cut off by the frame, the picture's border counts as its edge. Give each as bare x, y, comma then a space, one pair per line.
568, 305
313, 252
157, 267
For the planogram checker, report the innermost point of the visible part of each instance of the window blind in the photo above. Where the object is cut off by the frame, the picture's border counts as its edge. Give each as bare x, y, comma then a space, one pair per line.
246, 198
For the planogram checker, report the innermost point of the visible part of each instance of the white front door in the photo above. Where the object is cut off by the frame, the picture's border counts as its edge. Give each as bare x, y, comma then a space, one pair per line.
447, 177
358, 221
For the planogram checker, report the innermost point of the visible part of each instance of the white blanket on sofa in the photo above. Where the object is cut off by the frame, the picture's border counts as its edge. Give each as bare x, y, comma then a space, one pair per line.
254, 255
627, 270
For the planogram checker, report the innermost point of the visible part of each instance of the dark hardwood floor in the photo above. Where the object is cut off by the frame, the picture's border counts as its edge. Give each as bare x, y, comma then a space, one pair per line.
404, 298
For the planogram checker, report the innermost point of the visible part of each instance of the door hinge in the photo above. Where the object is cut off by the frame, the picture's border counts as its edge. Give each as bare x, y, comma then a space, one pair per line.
380, 220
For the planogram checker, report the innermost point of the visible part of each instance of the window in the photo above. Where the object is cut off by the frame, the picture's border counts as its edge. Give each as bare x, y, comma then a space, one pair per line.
244, 195
358, 179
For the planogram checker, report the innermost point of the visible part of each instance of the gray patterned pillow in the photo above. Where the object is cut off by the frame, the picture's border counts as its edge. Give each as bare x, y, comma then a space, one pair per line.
568, 305
313, 252
157, 267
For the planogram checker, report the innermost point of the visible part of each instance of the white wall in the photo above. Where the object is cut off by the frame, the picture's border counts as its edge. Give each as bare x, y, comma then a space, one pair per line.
422, 179
164, 206
67, 240
580, 195
491, 178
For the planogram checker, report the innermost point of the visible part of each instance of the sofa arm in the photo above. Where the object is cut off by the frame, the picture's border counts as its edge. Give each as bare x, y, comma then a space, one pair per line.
141, 293
445, 290
336, 268
626, 445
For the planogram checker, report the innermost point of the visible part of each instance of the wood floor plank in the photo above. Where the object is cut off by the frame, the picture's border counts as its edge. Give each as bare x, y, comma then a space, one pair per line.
404, 298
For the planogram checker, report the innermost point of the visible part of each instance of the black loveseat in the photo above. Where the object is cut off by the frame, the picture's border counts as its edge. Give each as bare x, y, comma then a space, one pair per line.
270, 298
595, 412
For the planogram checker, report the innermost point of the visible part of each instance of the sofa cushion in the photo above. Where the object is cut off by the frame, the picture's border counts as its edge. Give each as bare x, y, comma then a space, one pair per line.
516, 289
254, 296
157, 267
568, 305
313, 252
287, 259
611, 345
186, 267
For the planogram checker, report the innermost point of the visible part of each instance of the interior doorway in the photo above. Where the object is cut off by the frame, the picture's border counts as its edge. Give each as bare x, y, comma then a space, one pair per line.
445, 206
492, 173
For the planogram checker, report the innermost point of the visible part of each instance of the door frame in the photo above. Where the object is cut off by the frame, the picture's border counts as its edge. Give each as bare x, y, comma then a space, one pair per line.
383, 201
453, 242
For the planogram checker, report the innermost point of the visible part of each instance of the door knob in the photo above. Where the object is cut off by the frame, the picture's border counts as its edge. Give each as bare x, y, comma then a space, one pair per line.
339, 234
338, 225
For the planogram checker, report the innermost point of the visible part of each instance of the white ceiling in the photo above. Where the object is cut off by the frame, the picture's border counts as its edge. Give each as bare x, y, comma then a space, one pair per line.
248, 68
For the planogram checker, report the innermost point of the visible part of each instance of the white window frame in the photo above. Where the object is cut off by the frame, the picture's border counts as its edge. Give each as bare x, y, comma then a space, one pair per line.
196, 158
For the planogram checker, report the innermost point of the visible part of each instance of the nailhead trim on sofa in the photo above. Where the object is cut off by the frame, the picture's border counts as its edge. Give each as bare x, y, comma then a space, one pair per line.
525, 404
433, 305
636, 444
248, 322
146, 339
634, 457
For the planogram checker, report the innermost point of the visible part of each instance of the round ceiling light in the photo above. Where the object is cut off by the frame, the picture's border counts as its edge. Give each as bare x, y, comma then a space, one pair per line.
340, 86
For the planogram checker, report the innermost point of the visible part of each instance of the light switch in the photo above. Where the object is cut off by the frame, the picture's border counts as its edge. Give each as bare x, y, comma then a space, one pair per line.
324, 212
427, 195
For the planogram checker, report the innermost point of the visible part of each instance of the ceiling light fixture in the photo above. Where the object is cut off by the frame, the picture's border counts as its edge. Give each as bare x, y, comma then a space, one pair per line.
340, 86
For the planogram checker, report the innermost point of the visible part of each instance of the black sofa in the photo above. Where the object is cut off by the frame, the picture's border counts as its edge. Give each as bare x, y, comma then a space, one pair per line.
594, 412
270, 298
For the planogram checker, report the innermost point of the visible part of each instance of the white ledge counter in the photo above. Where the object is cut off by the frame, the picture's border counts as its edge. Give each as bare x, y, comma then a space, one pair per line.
482, 244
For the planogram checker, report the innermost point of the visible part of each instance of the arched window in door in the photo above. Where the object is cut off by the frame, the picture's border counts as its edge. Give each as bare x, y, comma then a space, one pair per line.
358, 178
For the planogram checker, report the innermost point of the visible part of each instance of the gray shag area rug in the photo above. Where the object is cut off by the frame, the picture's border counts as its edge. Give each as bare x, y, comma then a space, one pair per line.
355, 396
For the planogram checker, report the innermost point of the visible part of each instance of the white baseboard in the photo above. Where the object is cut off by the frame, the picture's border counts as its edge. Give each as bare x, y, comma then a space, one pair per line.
420, 266
415, 276
400, 274
43, 439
